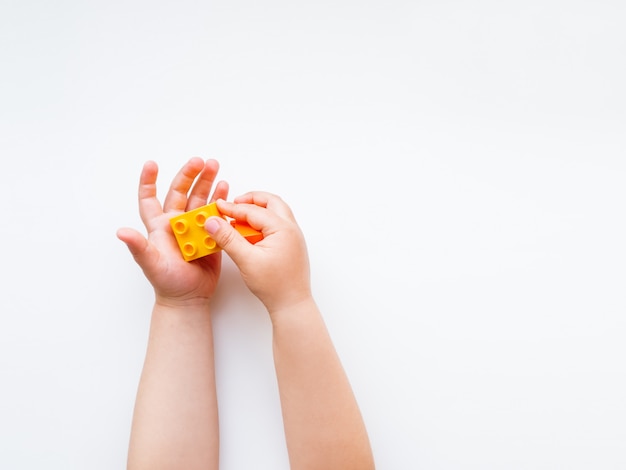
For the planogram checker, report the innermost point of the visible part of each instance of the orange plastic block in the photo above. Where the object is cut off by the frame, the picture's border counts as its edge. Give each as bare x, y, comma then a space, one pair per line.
247, 232
192, 238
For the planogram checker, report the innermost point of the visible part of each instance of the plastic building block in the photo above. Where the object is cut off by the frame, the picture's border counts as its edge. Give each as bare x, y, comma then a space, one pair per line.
249, 233
192, 238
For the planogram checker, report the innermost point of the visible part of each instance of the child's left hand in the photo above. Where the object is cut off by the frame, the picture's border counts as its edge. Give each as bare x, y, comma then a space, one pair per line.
176, 282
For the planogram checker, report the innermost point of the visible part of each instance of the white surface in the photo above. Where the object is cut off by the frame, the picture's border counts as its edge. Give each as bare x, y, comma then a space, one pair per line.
458, 171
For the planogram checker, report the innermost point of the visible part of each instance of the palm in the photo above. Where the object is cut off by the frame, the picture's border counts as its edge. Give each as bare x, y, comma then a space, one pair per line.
172, 277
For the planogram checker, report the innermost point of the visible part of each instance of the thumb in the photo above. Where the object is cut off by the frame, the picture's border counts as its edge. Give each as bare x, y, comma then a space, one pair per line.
137, 245
228, 238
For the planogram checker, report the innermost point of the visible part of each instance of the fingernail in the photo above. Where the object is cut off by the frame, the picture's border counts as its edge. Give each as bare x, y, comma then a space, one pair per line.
212, 225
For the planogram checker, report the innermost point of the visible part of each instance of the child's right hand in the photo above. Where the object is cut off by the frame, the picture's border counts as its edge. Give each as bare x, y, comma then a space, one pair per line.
276, 269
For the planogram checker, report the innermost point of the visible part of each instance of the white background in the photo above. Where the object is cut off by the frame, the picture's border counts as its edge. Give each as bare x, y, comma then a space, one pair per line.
458, 169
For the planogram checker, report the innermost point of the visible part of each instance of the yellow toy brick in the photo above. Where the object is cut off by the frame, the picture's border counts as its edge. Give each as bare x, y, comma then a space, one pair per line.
193, 239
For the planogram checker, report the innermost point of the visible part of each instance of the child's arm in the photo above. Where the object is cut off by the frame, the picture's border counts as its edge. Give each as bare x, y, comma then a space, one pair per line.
175, 421
323, 425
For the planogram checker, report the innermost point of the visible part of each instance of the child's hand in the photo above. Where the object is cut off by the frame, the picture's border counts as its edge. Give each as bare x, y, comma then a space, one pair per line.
276, 269
175, 281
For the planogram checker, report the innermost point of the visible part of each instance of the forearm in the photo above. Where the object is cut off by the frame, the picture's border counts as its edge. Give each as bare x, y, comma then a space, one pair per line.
175, 422
323, 425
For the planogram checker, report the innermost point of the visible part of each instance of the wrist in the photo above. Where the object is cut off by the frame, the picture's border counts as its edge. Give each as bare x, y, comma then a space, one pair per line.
294, 310
182, 303
172, 319
180, 312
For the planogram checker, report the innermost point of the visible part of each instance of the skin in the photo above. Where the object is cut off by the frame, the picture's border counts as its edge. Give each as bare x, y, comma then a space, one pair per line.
175, 422
323, 425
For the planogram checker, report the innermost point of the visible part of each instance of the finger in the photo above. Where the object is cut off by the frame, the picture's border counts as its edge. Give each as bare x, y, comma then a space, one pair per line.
149, 205
221, 191
176, 199
138, 246
202, 187
259, 198
267, 200
227, 238
257, 217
